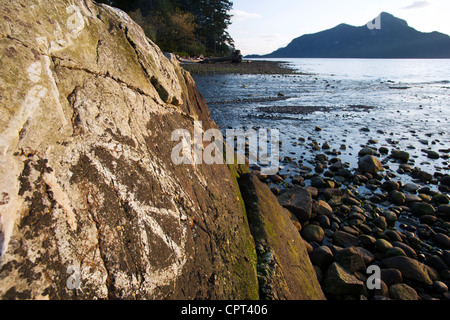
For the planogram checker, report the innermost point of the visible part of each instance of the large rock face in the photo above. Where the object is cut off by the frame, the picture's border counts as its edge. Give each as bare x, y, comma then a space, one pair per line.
284, 268
91, 204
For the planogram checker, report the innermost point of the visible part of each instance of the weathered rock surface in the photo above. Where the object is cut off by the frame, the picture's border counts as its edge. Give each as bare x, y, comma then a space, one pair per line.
402, 291
91, 205
322, 208
350, 259
340, 282
313, 233
370, 164
391, 276
284, 268
88, 106
343, 239
420, 209
322, 256
411, 269
298, 201
442, 240
401, 155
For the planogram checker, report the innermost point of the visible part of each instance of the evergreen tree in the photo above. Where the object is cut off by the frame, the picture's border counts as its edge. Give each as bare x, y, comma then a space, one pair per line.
214, 19
190, 26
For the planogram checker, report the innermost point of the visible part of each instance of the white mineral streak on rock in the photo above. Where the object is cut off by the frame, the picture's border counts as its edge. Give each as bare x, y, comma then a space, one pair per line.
167, 74
74, 235
54, 90
9, 185
85, 251
75, 25
10, 136
34, 72
119, 13
61, 198
32, 100
8, 140
154, 277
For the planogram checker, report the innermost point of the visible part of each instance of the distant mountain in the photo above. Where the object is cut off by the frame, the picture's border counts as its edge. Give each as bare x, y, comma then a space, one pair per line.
393, 38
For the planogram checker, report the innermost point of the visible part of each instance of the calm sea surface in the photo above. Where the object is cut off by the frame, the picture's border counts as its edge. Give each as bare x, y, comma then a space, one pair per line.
401, 104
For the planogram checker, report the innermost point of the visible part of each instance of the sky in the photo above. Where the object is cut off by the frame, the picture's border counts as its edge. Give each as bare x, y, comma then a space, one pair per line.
263, 26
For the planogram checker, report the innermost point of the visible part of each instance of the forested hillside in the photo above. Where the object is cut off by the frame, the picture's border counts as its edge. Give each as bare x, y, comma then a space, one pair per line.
190, 27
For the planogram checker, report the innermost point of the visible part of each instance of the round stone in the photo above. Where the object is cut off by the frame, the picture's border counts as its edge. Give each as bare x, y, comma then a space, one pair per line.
313, 233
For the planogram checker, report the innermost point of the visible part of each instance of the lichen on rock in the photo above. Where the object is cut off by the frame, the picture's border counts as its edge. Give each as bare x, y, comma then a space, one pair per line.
88, 104
284, 268
91, 205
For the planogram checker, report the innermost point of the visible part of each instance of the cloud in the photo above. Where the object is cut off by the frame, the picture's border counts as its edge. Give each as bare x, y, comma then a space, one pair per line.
240, 15
417, 5
270, 36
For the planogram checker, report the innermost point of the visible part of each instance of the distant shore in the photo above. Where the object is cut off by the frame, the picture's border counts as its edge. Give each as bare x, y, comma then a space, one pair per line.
245, 67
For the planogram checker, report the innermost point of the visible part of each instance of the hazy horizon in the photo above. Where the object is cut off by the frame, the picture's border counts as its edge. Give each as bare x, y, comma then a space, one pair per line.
261, 27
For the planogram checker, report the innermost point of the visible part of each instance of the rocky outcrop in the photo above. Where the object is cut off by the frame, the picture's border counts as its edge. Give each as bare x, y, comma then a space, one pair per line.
284, 268
91, 205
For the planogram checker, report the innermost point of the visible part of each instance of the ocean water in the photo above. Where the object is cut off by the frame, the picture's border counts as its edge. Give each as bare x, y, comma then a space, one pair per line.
398, 104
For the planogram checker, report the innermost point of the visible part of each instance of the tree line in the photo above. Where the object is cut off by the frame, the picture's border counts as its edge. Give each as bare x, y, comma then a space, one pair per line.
186, 27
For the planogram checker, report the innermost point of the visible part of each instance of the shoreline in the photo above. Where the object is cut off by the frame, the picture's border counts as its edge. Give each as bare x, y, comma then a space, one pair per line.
352, 218
383, 208
246, 67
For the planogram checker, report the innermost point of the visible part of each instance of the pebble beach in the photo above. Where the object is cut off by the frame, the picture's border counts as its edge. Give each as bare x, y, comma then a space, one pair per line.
364, 184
